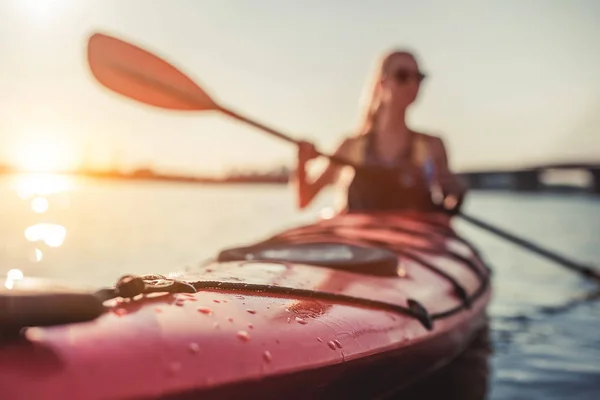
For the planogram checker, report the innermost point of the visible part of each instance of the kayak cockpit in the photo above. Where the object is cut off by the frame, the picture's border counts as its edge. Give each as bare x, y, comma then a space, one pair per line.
347, 257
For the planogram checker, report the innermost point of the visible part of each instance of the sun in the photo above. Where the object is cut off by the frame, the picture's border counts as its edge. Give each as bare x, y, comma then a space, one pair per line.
44, 153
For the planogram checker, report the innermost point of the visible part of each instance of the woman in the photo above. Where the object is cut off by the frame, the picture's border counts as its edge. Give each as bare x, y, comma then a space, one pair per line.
384, 140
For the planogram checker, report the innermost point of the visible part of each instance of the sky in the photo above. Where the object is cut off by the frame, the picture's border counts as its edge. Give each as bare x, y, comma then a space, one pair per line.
511, 82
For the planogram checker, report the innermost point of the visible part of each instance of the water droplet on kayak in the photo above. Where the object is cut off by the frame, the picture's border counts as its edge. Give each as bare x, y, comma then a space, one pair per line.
194, 348
289, 320
217, 301
251, 311
277, 341
267, 356
301, 321
337, 343
204, 310
331, 345
250, 326
179, 303
243, 336
216, 324
34, 334
158, 310
209, 270
174, 368
229, 319
319, 340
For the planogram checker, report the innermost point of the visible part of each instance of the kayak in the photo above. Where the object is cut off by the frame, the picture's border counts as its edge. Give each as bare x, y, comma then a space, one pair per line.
359, 305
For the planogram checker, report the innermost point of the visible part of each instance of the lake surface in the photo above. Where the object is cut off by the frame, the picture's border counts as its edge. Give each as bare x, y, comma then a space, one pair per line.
546, 344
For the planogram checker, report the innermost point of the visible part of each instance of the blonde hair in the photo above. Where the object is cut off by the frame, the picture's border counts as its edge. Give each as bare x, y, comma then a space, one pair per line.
371, 98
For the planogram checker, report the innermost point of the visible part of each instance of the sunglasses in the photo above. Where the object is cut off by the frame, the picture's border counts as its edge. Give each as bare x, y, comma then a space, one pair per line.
404, 76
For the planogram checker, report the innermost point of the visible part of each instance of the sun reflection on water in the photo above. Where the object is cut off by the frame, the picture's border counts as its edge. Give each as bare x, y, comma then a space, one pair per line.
39, 186
51, 234
12, 276
37, 255
39, 205
43, 193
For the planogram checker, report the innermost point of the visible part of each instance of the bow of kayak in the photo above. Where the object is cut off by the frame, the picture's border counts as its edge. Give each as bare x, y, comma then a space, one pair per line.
356, 306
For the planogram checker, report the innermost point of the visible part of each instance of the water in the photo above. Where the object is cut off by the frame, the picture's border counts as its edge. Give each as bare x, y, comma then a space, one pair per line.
545, 341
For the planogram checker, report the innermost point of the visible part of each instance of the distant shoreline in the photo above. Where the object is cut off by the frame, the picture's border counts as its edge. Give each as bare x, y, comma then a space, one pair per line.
138, 176
149, 175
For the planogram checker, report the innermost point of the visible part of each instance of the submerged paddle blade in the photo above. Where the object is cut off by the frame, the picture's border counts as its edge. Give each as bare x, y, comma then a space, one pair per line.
135, 73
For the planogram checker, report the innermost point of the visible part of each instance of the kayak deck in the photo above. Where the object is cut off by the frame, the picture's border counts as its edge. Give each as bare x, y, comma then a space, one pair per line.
271, 328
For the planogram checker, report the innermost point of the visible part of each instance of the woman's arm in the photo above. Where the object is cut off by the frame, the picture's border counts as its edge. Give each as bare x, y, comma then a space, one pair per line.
453, 188
308, 190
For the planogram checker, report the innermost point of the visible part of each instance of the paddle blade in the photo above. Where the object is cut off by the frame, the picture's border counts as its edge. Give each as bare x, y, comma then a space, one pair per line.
135, 73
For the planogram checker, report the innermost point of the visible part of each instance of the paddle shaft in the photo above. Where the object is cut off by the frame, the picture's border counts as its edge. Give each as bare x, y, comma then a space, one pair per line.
277, 134
582, 269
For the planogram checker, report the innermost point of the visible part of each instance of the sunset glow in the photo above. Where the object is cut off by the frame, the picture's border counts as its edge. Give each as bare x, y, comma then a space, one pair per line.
44, 153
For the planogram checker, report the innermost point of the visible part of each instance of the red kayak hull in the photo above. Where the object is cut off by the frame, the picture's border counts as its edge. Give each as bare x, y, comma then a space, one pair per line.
317, 340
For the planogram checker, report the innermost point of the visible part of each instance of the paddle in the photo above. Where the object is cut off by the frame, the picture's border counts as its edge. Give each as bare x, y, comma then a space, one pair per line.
585, 270
137, 74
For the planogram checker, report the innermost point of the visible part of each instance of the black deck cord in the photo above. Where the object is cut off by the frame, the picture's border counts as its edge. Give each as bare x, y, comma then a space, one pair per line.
131, 286
459, 289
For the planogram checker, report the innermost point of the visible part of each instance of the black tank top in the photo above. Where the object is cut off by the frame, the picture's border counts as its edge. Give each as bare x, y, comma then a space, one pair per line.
388, 189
